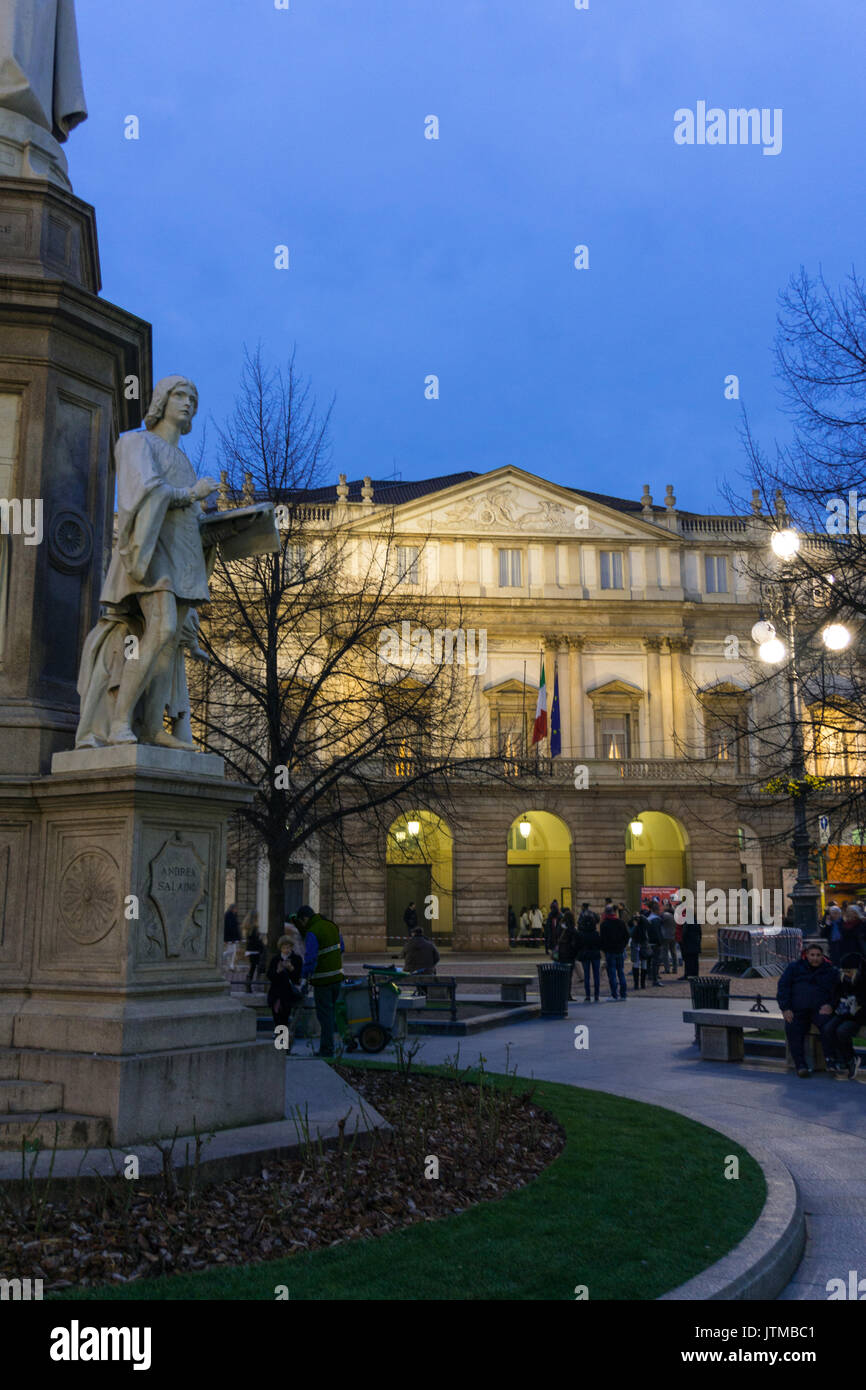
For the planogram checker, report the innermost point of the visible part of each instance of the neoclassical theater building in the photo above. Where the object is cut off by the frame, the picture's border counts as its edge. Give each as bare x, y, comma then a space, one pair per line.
643, 613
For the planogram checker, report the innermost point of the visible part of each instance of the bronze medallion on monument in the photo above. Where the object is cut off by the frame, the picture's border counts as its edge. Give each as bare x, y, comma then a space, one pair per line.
177, 890
89, 896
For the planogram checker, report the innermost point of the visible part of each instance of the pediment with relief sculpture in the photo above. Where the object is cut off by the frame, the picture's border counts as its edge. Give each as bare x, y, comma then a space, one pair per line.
516, 506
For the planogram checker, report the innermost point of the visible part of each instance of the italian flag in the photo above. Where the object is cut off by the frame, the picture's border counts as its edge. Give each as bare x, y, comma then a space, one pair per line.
539, 728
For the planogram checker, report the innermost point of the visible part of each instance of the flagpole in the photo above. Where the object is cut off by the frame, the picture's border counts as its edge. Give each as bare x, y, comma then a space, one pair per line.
550, 717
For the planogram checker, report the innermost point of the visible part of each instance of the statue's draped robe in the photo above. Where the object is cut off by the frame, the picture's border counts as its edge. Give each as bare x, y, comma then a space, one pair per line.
40, 70
158, 547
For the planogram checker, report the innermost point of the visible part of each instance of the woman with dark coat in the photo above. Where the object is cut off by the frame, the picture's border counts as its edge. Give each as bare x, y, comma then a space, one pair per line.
691, 949
566, 946
253, 946
284, 973
639, 950
552, 924
589, 955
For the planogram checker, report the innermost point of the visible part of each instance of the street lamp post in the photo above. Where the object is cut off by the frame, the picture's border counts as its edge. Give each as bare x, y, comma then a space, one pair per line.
805, 893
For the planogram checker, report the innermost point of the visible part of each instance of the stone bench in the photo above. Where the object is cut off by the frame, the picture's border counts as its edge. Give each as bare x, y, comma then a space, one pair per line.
512, 988
721, 1035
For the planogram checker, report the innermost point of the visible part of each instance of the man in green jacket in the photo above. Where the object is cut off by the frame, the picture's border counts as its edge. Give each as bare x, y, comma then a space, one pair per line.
323, 967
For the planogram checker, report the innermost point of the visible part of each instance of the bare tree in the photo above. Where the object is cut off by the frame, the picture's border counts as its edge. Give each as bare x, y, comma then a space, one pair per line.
801, 725
338, 686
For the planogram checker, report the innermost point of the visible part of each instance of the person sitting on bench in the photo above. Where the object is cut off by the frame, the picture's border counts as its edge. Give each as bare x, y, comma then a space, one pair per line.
420, 954
848, 1016
805, 996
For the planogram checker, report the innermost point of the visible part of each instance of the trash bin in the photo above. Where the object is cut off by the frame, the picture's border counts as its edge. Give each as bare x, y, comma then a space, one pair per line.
709, 992
553, 981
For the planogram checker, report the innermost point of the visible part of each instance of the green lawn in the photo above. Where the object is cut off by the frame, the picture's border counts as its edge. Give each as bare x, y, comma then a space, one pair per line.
635, 1204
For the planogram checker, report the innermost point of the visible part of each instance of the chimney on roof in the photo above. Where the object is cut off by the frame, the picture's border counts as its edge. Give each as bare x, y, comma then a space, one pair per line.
670, 500
367, 491
646, 501
249, 493
342, 489
756, 501
223, 492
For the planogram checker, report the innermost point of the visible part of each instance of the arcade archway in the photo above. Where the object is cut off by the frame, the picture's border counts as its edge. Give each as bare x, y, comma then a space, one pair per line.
419, 869
539, 862
655, 856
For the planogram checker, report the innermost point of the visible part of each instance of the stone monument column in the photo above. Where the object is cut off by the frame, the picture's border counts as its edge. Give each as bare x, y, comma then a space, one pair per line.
73, 372
116, 1025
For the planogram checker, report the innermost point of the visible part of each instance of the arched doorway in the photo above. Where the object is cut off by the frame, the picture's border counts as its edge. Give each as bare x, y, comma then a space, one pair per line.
419, 869
655, 855
539, 863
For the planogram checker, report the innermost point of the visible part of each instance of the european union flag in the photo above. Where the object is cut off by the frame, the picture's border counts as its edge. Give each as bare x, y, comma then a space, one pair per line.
555, 731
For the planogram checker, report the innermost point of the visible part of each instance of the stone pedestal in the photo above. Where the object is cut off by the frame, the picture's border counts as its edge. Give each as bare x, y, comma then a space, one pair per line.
111, 993
73, 371
28, 151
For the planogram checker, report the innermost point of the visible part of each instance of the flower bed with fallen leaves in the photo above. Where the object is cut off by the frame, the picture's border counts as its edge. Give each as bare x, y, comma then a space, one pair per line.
486, 1139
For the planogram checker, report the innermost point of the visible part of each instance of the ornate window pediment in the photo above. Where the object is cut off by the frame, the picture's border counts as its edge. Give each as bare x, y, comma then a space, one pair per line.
616, 715
724, 705
512, 711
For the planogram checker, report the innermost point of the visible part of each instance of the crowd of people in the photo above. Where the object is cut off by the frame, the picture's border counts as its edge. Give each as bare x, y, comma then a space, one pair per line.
825, 990
650, 940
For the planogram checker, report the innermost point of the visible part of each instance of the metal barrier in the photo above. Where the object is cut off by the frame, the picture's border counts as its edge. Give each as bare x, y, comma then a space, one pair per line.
752, 952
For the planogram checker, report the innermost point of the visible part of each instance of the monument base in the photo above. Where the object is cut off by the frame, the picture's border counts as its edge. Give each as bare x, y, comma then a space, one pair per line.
115, 1020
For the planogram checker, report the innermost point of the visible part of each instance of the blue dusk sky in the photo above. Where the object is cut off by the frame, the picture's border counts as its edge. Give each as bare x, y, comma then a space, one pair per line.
409, 256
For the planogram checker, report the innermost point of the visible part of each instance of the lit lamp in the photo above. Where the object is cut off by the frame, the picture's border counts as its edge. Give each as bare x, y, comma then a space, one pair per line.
524, 829
636, 828
785, 543
399, 834
836, 637
413, 826
770, 649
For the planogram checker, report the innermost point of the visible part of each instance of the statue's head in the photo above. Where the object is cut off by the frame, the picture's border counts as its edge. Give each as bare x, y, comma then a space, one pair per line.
184, 400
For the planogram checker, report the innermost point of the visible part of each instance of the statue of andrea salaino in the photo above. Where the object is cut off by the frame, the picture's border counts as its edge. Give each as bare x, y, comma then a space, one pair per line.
132, 666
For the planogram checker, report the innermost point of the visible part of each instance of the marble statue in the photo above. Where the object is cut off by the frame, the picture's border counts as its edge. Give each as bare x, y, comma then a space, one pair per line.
132, 668
40, 73
41, 91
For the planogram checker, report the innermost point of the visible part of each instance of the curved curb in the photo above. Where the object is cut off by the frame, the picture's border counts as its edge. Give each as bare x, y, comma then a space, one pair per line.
764, 1261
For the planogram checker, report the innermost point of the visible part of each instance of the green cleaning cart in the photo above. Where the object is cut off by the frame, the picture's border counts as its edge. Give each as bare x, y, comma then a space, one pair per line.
371, 1009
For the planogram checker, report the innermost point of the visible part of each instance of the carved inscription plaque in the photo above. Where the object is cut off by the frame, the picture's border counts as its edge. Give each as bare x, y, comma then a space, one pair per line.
177, 888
